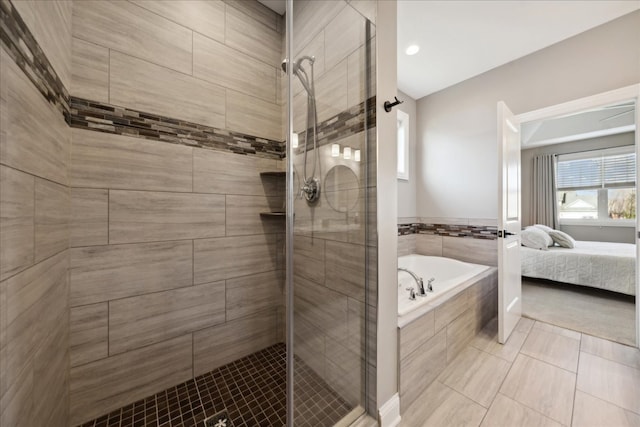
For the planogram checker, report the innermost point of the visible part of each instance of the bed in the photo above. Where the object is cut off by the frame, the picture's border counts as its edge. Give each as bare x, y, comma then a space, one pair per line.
603, 265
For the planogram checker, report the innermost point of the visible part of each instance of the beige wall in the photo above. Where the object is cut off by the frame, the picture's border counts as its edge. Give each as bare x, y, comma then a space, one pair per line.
579, 232
173, 272
457, 126
34, 236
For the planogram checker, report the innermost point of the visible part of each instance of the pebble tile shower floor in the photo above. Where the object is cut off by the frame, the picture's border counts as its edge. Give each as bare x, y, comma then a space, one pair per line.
251, 390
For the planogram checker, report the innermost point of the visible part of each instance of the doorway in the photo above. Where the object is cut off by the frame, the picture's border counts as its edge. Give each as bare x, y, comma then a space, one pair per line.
548, 292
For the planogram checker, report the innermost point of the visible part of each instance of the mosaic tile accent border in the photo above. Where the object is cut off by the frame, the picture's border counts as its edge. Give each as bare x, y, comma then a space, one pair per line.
452, 230
23, 48
251, 391
342, 125
102, 117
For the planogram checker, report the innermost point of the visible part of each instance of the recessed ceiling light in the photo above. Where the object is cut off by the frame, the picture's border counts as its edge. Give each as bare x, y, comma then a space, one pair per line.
412, 50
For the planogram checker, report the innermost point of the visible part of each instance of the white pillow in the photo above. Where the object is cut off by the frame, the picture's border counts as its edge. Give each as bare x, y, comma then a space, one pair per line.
562, 239
543, 228
535, 238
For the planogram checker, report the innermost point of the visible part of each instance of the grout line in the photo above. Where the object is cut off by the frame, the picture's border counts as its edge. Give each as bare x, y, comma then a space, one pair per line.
108, 329
108, 217
192, 53
35, 184
575, 386
108, 75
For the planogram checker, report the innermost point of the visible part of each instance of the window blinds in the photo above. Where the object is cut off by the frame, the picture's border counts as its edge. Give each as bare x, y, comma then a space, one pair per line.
604, 170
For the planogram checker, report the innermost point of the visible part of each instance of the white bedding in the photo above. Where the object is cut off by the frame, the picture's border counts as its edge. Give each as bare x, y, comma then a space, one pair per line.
603, 265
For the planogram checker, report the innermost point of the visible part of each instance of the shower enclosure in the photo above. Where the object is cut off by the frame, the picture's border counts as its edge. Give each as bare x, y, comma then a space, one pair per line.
187, 223
331, 230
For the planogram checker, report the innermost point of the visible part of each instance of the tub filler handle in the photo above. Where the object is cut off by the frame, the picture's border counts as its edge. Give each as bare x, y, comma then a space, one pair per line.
412, 293
429, 286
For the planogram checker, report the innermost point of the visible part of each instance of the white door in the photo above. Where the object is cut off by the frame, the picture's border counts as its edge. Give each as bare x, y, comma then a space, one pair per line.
509, 223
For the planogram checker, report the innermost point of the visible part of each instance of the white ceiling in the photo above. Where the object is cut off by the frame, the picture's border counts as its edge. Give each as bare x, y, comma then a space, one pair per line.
462, 39
597, 122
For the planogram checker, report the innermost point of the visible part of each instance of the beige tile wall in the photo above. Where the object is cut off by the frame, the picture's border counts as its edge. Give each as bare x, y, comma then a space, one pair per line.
476, 251
168, 247
155, 223
34, 231
210, 62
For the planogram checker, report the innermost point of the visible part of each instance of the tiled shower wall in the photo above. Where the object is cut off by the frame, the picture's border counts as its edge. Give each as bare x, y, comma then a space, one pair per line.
34, 215
330, 249
173, 272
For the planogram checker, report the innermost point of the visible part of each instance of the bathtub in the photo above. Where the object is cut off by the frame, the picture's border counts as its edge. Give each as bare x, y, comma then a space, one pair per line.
450, 277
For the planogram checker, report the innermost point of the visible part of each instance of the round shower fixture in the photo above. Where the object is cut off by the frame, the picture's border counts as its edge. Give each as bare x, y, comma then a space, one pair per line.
310, 189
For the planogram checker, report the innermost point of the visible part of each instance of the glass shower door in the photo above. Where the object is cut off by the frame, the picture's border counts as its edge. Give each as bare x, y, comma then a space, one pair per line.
331, 187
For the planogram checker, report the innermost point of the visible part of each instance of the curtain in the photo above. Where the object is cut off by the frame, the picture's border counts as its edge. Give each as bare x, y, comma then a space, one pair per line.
544, 193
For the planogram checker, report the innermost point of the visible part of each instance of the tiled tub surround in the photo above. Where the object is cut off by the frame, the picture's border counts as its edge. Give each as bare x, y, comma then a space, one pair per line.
258, 399
464, 247
429, 343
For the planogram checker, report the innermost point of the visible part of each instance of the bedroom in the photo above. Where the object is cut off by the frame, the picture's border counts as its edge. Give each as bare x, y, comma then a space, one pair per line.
578, 177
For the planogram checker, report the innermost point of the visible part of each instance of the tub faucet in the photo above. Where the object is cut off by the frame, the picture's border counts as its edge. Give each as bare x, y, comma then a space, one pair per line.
429, 286
418, 280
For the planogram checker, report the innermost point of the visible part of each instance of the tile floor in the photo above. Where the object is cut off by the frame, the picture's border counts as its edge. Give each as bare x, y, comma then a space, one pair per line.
543, 376
252, 391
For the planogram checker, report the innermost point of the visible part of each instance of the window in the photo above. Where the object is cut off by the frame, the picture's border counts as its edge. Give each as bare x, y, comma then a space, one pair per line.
597, 186
403, 145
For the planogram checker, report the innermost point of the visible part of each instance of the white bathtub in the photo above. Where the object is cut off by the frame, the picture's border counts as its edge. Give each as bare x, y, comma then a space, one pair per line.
451, 277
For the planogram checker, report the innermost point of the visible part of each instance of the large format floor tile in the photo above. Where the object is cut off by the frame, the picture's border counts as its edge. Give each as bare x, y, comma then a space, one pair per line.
443, 406
541, 386
620, 353
590, 411
507, 412
616, 383
487, 340
476, 374
551, 347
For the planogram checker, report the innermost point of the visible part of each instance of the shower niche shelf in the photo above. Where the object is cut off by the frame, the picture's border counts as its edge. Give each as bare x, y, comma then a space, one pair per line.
273, 214
273, 174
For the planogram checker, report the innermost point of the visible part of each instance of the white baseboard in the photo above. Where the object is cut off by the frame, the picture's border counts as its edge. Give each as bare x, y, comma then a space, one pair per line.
389, 413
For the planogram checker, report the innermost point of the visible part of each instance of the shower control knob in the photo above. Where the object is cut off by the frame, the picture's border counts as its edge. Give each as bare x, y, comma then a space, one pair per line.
311, 190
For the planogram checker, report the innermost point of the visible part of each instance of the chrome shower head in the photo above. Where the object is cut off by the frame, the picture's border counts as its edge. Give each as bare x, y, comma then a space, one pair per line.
297, 70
